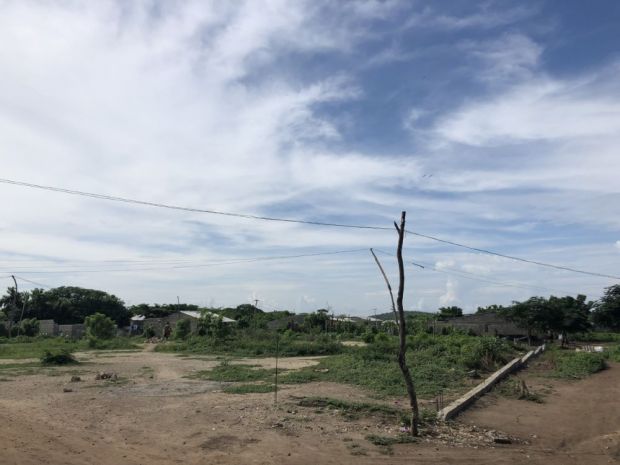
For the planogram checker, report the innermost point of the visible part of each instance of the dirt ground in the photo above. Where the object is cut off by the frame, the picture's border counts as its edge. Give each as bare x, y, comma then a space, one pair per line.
153, 415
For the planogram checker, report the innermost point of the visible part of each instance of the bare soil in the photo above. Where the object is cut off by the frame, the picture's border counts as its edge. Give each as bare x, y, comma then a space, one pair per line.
153, 416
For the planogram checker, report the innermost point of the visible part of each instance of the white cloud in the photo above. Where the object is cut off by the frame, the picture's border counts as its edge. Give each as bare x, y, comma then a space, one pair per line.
450, 296
484, 18
509, 57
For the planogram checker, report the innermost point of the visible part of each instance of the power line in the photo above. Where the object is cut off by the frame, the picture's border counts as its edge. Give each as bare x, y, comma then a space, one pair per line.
33, 282
477, 277
510, 257
231, 262
289, 220
188, 209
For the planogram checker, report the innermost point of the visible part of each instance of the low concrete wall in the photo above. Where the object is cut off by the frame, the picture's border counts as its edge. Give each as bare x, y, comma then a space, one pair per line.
460, 404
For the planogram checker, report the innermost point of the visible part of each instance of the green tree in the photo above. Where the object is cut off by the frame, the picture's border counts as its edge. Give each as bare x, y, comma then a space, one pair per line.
212, 325
316, 320
29, 327
69, 305
450, 312
607, 310
99, 326
182, 329
499, 309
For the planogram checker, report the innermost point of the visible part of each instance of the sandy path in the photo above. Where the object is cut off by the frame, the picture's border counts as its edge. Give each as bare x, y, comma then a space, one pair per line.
156, 417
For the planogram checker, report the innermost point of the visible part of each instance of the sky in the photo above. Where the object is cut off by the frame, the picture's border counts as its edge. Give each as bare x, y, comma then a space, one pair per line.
494, 124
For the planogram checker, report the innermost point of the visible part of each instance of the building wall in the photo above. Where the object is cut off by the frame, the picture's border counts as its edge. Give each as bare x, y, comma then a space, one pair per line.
76, 331
48, 328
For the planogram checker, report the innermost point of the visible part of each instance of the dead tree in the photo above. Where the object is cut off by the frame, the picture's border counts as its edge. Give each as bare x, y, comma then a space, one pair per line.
399, 317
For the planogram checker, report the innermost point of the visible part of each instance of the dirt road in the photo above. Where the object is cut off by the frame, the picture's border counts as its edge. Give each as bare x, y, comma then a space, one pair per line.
154, 416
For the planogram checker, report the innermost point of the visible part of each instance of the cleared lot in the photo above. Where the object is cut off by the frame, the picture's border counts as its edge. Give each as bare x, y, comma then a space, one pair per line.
154, 415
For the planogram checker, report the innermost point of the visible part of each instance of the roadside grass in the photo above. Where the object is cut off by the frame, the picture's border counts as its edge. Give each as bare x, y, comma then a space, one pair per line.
613, 353
575, 365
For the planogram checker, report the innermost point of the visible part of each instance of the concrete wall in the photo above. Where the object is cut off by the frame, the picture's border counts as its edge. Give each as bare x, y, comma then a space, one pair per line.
76, 331
48, 328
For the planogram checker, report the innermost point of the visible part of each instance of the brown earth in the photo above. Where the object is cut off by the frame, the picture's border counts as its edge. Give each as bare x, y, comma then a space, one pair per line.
154, 416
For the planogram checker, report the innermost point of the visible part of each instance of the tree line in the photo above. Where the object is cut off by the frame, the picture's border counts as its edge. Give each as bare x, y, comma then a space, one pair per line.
69, 305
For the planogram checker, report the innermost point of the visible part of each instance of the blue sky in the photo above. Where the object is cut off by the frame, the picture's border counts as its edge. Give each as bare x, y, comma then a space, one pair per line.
495, 124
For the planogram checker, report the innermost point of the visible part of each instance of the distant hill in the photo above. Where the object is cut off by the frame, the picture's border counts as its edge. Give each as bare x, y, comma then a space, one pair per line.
390, 315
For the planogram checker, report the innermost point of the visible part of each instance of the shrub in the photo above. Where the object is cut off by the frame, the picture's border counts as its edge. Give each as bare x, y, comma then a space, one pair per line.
577, 364
62, 357
30, 327
149, 332
368, 337
182, 329
99, 326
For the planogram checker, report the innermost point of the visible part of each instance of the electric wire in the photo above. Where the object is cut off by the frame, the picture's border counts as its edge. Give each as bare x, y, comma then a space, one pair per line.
297, 221
230, 262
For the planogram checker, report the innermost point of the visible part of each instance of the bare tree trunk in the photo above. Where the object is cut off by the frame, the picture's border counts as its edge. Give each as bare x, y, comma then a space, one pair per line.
402, 330
399, 316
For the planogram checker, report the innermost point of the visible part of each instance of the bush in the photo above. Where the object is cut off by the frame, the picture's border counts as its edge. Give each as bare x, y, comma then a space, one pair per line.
30, 327
99, 326
182, 329
577, 364
62, 357
149, 332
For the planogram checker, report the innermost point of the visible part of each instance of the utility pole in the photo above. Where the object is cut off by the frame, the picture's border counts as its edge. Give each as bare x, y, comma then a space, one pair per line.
256, 301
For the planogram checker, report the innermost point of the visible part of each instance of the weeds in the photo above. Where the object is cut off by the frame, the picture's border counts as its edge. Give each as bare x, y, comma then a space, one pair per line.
62, 357
234, 373
386, 443
249, 388
576, 364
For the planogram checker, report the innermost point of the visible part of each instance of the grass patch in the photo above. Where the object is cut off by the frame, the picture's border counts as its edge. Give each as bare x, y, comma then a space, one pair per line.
576, 365
613, 353
233, 373
249, 388
386, 443
34, 347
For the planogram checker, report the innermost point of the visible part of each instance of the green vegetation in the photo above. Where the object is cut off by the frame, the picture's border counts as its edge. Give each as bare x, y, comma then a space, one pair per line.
65, 304
386, 443
251, 343
29, 327
353, 410
438, 363
99, 328
61, 357
249, 388
607, 311
25, 347
569, 364
182, 329
234, 373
